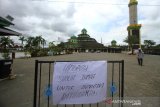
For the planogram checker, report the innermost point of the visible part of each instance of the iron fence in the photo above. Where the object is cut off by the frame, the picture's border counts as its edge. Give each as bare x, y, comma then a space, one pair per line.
43, 77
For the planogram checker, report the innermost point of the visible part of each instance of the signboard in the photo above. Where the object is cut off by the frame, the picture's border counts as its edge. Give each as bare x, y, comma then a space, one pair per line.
79, 82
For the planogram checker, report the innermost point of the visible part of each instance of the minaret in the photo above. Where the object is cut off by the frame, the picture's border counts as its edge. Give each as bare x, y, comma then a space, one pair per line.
134, 27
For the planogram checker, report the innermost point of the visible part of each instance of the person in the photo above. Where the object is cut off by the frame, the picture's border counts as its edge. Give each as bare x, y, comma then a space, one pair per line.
140, 56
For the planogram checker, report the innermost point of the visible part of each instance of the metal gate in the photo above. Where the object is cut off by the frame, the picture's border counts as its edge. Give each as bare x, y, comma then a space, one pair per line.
43, 77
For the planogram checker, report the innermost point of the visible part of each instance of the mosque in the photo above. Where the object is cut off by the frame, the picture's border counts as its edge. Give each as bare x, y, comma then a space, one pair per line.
84, 43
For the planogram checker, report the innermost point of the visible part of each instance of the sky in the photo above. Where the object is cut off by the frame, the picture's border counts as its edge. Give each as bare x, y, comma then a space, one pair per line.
58, 20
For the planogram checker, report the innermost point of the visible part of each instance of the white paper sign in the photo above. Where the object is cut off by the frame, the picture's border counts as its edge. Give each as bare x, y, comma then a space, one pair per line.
79, 82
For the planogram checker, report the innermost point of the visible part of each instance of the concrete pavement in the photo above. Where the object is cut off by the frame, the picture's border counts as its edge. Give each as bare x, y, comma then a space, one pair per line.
140, 82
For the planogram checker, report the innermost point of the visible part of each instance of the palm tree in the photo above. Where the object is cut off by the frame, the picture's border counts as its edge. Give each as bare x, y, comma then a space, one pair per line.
6, 42
33, 45
22, 39
43, 42
39, 40
29, 43
51, 45
35, 42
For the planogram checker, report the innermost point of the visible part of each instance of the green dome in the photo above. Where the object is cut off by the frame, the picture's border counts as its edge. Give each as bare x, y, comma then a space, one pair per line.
84, 31
73, 37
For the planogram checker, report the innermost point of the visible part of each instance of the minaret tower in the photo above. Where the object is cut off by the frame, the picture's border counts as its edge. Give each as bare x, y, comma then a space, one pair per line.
134, 27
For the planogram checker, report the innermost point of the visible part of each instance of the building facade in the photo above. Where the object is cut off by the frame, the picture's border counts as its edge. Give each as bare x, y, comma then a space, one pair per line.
83, 43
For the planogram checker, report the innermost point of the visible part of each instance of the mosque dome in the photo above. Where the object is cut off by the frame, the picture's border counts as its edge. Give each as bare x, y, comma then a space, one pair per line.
84, 31
73, 37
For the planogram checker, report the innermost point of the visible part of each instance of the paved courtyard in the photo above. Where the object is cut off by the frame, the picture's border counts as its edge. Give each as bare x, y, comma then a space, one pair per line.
141, 83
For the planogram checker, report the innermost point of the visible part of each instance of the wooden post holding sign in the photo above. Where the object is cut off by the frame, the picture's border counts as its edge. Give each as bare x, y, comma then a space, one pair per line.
79, 82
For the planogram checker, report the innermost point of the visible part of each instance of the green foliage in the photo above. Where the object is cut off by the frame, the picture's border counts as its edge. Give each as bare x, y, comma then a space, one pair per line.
6, 42
57, 50
157, 46
51, 46
131, 40
34, 52
40, 41
22, 39
149, 43
5, 54
34, 45
61, 45
38, 53
43, 42
35, 42
42, 53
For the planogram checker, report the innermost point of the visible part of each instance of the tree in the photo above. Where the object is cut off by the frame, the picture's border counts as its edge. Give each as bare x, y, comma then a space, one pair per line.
22, 39
131, 40
6, 42
40, 41
51, 45
35, 42
56, 49
43, 42
149, 43
61, 45
157, 46
113, 43
29, 42
34, 45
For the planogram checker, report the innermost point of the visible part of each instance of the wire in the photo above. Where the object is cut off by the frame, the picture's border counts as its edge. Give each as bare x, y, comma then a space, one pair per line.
149, 5
100, 3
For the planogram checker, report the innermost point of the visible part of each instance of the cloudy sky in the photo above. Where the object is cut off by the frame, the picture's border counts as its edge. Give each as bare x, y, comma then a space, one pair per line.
106, 19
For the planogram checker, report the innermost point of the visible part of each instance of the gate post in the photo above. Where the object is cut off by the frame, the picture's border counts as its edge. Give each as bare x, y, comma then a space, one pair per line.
122, 82
35, 84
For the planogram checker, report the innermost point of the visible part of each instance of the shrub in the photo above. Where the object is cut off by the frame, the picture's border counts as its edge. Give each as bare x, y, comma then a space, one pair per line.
6, 55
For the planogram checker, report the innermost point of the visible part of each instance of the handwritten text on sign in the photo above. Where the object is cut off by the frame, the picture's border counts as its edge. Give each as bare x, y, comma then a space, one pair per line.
79, 82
